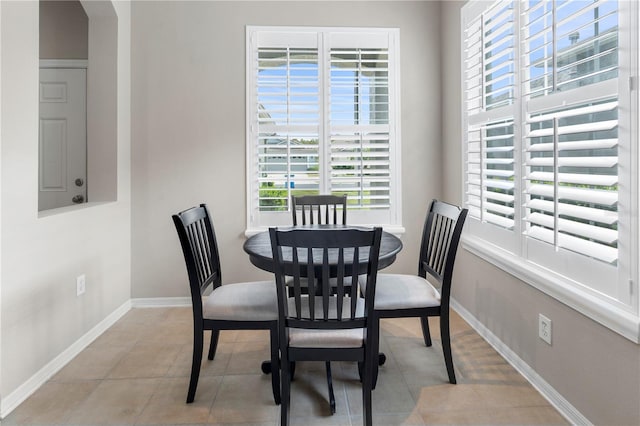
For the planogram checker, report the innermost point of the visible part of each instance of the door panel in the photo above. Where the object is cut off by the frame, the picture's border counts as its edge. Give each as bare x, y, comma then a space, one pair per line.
53, 137
62, 138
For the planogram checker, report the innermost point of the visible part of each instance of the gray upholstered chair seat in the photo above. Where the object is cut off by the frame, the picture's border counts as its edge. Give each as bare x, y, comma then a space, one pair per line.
250, 301
308, 338
399, 291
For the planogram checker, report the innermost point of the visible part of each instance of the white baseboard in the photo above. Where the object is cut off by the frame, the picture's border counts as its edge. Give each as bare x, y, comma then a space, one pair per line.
160, 302
25, 390
565, 408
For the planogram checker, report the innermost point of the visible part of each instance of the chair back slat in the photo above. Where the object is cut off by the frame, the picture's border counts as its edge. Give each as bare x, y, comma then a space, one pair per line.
325, 281
320, 255
319, 209
440, 238
200, 245
340, 278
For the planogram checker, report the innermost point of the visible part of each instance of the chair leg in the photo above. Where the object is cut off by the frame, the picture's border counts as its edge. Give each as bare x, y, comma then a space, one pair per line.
332, 397
285, 379
195, 363
367, 386
375, 350
275, 363
215, 334
425, 330
446, 346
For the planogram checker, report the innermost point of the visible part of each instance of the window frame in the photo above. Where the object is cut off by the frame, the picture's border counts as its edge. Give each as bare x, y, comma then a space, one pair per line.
509, 251
258, 221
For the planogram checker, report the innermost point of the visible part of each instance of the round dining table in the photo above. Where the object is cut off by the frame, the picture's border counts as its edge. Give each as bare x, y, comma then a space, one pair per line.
258, 246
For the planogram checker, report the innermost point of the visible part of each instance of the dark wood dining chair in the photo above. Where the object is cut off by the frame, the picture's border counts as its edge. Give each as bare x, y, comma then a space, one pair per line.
322, 209
333, 326
319, 209
426, 294
240, 306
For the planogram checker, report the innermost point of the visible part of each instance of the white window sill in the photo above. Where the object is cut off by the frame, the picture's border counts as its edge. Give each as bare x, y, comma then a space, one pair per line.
614, 317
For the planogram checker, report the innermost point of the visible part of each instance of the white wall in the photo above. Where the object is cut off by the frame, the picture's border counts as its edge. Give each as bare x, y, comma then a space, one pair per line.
188, 115
41, 256
593, 368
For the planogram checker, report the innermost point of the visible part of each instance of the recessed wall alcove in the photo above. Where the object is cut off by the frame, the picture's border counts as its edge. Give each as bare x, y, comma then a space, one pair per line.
98, 50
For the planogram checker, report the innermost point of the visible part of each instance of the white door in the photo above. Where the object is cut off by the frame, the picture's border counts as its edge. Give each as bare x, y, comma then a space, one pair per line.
63, 138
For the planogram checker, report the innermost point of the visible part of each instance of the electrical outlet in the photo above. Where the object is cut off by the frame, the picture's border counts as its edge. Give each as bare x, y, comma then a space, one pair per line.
544, 328
80, 284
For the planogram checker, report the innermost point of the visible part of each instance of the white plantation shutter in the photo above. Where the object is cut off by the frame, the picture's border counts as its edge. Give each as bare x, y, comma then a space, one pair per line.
287, 89
569, 44
490, 82
321, 118
489, 59
490, 173
550, 133
360, 167
473, 66
498, 56
571, 190
359, 125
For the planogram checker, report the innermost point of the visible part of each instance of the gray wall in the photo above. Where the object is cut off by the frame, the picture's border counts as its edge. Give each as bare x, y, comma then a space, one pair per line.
64, 28
188, 122
592, 367
188, 128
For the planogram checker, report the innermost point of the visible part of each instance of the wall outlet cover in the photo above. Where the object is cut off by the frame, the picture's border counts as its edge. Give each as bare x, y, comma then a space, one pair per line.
544, 328
80, 284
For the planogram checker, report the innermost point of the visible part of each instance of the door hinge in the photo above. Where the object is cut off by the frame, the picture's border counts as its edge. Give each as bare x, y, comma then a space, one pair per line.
632, 83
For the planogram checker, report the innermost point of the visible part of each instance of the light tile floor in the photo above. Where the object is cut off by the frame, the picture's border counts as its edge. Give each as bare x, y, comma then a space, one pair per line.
137, 373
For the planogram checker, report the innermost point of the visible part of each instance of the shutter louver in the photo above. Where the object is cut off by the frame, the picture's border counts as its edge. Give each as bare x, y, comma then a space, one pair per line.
288, 124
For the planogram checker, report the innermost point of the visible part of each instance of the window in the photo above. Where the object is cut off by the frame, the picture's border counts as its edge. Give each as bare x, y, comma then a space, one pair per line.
550, 147
322, 118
